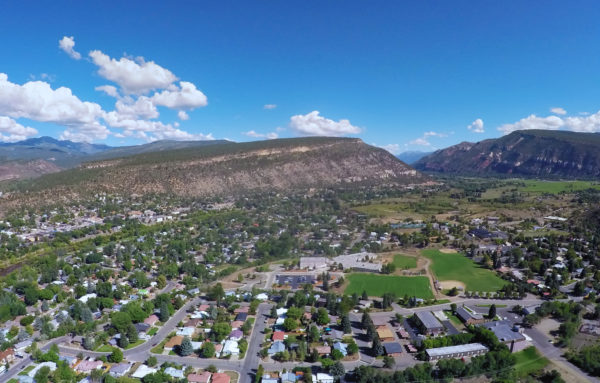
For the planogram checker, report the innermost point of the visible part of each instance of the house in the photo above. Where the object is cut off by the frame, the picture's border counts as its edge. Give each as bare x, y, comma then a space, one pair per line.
194, 322
469, 317
428, 323
199, 378
242, 309
289, 377
242, 317
322, 378
7, 356
173, 372
141, 327
236, 324
87, 366
119, 370
21, 346
341, 347
276, 347
335, 335
262, 297
70, 360
25, 379
507, 334
173, 342
186, 331
151, 320
278, 335
142, 371
459, 351
323, 350
392, 348
236, 335
230, 347
385, 334
270, 378
220, 377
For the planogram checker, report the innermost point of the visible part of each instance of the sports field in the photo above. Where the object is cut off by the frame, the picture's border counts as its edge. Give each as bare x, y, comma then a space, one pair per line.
457, 267
404, 262
376, 285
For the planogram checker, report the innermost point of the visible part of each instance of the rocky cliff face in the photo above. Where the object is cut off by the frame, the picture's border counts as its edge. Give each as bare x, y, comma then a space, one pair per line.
524, 153
235, 169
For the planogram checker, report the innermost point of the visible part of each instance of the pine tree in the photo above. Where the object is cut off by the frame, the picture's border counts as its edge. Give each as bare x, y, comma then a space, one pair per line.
365, 296
132, 333
163, 313
123, 341
366, 320
88, 343
346, 326
377, 347
371, 332
492, 312
273, 312
186, 347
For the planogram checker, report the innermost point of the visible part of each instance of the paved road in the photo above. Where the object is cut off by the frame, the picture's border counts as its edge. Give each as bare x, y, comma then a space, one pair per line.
17, 367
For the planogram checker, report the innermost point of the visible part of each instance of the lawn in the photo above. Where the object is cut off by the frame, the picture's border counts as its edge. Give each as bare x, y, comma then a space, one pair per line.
137, 343
529, 361
377, 285
403, 262
152, 331
104, 348
457, 267
555, 187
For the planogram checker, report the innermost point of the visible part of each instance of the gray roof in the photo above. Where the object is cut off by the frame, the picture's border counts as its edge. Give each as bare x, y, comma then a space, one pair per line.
392, 347
428, 319
465, 314
450, 350
504, 331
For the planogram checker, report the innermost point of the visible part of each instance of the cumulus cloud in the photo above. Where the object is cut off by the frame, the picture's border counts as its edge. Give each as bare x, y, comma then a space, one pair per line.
395, 149
134, 77
434, 134
36, 100
109, 90
253, 134
141, 107
312, 124
476, 126
420, 142
12, 131
67, 44
560, 111
270, 106
186, 96
533, 122
183, 116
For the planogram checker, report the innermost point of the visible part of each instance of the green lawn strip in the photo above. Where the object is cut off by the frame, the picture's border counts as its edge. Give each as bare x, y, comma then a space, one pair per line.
457, 267
404, 262
13, 380
104, 348
159, 348
377, 285
135, 344
453, 318
27, 370
528, 361
152, 331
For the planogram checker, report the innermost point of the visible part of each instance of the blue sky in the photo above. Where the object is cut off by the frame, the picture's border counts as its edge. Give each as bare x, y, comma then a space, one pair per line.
407, 76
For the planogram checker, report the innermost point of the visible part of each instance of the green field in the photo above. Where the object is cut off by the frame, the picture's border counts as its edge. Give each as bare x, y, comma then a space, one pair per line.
457, 267
377, 285
404, 262
529, 361
555, 187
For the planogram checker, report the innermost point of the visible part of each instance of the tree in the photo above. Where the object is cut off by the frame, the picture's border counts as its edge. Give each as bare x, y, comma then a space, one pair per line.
453, 308
290, 324
259, 373
161, 282
217, 293
88, 343
163, 312
313, 334
337, 370
152, 361
377, 347
388, 362
492, 312
273, 313
453, 292
352, 348
41, 376
120, 321
365, 296
186, 347
116, 356
132, 334
322, 316
346, 326
123, 341
208, 350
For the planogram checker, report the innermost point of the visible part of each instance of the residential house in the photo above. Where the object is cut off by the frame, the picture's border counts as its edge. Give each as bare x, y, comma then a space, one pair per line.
323, 350
70, 360
322, 378
242, 317
276, 347
142, 371
119, 370
186, 331
199, 378
392, 348
174, 373
289, 377
220, 377
151, 320
236, 335
270, 378
230, 347
7, 356
278, 335
142, 327
87, 366
341, 347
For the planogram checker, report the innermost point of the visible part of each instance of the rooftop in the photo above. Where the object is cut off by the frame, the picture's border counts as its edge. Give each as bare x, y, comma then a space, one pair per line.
462, 348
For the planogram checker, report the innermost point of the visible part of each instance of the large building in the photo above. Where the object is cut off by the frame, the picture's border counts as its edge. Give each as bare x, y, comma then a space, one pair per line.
459, 351
428, 323
469, 317
507, 334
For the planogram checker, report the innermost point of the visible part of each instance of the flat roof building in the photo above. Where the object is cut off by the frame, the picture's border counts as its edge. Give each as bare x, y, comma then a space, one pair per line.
459, 351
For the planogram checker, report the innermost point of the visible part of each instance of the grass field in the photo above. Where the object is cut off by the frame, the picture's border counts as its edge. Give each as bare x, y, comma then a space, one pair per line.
104, 348
456, 267
404, 262
529, 361
377, 285
555, 187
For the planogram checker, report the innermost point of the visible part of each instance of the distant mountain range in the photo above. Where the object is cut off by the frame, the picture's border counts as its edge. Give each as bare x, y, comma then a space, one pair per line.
36, 156
411, 157
226, 169
528, 153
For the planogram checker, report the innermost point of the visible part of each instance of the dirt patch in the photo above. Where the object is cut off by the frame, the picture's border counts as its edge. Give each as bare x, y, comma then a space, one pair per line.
447, 285
548, 325
447, 251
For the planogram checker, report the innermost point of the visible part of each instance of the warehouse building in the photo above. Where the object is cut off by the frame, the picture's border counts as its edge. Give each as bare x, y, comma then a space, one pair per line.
460, 351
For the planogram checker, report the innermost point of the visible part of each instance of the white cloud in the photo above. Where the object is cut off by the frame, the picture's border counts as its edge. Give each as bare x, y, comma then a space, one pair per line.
590, 123
420, 142
184, 97
183, 116
270, 136
434, 134
12, 131
312, 124
533, 122
134, 77
476, 126
142, 107
67, 44
560, 111
395, 149
270, 106
109, 90
36, 100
